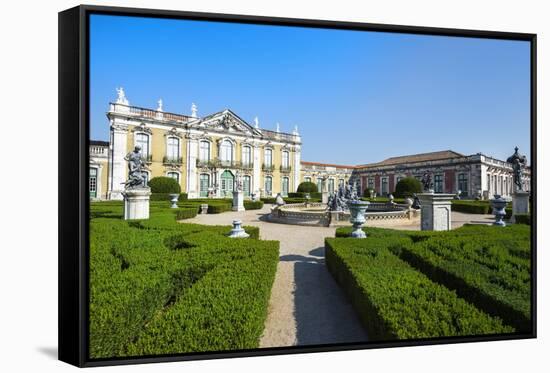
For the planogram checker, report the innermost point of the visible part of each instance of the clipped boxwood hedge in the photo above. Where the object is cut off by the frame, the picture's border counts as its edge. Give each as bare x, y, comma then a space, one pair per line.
394, 300
163, 197
186, 213
253, 205
158, 286
312, 195
523, 219
164, 184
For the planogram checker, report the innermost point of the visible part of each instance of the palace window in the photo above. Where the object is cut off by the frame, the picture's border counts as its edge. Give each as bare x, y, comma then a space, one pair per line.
204, 151
370, 183
227, 181
226, 151
463, 183
331, 185
142, 139
204, 184
438, 183
247, 155
174, 175
285, 186
93, 182
246, 185
268, 157
384, 187
268, 185
319, 184
173, 148
286, 160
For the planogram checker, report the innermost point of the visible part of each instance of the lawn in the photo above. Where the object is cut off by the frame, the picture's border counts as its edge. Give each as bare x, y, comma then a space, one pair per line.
162, 287
475, 280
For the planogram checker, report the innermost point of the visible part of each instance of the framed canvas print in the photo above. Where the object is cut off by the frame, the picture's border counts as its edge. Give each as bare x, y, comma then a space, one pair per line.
238, 185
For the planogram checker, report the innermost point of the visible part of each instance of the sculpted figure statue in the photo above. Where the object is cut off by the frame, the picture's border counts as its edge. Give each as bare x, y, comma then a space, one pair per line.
135, 169
427, 182
518, 162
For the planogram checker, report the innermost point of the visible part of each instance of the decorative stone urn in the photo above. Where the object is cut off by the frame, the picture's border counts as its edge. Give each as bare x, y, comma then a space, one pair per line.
204, 208
357, 210
174, 200
238, 231
499, 204
307, 197
391, 198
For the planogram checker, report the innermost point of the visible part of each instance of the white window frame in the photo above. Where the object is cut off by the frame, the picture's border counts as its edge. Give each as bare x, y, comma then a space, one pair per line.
203, 152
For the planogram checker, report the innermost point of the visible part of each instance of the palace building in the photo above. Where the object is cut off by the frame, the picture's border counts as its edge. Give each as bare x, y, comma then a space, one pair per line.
475, 176
206, 155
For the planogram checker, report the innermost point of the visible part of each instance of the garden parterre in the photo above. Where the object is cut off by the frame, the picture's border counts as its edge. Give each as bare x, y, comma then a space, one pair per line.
159, 287
469, 281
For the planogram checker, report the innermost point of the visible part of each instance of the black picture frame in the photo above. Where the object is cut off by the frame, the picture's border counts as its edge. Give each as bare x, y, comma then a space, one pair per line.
73, 178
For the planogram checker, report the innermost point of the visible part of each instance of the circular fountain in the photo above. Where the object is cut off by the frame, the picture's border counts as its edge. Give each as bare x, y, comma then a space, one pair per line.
337, 212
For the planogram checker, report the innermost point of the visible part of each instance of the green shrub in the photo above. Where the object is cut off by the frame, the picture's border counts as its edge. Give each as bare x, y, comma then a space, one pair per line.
146, 274
183, 196
253, 205
302, 195
186, 213
488, 266
216, 208
523, 219
395, 301
471, 207
164, 184
407, 187
307, 187
161, 197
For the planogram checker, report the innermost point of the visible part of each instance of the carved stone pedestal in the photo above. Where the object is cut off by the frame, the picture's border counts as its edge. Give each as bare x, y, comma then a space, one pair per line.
435, 211
238, 201
520, 204
136, 203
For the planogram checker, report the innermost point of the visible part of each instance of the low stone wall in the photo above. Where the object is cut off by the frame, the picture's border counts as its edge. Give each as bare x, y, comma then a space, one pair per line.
297, 213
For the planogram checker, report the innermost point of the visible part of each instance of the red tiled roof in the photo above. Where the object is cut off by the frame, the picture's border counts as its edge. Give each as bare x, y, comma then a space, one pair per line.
423, 157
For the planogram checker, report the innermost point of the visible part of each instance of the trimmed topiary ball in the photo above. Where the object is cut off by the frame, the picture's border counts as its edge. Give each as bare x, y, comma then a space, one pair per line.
307, 187
407, 186
163, 184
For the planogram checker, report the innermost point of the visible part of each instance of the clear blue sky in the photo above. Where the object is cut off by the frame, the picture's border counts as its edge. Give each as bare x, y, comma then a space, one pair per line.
357, 97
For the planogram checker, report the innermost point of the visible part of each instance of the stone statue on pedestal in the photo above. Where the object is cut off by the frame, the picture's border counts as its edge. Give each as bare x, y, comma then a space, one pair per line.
427, 182
135, 169
518, 162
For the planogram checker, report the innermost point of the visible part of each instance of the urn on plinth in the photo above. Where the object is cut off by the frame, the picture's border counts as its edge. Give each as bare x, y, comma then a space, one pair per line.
238, 231
174, 200
499, 205
357, 209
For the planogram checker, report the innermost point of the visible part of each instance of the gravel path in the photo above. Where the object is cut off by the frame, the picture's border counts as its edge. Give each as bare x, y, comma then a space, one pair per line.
307, 307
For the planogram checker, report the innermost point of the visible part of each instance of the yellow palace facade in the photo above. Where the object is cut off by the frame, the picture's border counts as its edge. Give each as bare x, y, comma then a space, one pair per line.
204, 154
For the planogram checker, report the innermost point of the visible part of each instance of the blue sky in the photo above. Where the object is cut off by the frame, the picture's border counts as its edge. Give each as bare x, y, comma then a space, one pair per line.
357, 97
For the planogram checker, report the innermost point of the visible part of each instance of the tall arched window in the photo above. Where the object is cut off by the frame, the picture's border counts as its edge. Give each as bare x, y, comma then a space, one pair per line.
285, 186
142, 139
204, 184
173, 148
226, 151
246, 185
204, 150
247, 155
331, 185
174, 175
286, 160
268, 185
268, 157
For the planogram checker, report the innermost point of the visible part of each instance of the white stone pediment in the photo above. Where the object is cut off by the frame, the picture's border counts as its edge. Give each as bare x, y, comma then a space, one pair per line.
228, 121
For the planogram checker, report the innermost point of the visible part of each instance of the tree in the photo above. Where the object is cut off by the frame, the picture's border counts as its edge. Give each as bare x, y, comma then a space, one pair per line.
307, 187
407, 186
163, 184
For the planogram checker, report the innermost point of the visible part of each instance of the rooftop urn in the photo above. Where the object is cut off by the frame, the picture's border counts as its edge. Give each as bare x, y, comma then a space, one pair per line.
174, 200
357, 209
499, 204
